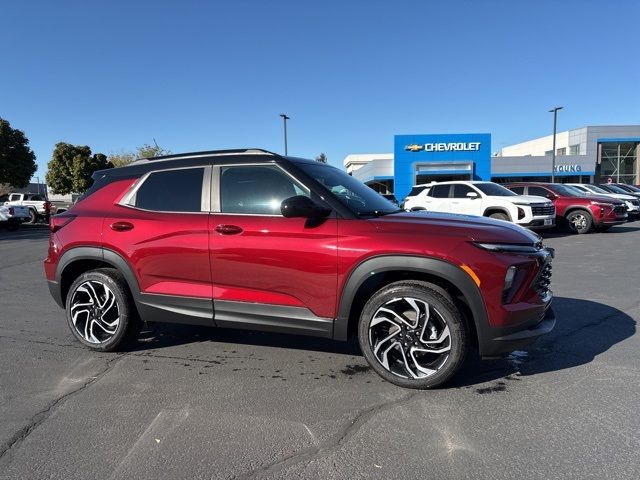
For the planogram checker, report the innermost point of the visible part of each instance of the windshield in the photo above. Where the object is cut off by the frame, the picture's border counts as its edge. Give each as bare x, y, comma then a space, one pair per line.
494, 189
354, 194
596, 189
616, 189
631, 188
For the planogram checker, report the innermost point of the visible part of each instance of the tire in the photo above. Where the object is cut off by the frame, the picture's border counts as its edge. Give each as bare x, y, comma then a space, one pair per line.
111, 321
579, 221
33, 217
499, 216
399, 362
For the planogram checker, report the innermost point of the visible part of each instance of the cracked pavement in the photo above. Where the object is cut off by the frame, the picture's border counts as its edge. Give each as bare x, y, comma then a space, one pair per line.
199, 403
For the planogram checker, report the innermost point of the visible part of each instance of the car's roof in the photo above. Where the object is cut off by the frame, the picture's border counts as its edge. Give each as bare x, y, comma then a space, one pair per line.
195, 159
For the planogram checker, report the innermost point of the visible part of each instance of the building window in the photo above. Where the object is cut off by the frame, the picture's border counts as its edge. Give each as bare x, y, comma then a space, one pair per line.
561, 151
574, 149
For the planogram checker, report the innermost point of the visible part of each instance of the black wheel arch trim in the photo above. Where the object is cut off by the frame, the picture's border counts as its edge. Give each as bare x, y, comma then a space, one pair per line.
490, 210
431, 266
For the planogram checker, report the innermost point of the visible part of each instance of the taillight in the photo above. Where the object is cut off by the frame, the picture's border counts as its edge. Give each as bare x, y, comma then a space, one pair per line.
59, 221
11, 211
47, 207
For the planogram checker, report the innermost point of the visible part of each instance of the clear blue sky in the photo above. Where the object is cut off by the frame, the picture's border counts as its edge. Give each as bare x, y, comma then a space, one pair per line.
199, 75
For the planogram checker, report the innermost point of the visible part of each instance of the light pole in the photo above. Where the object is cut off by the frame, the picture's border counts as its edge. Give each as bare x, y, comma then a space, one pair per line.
284, 119
554, 110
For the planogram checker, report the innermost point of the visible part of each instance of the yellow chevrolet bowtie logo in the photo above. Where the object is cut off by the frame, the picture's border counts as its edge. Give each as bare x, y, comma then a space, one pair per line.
414, 147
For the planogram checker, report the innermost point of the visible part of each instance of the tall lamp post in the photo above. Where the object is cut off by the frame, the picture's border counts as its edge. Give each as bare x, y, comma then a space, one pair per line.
554, 110
284, 119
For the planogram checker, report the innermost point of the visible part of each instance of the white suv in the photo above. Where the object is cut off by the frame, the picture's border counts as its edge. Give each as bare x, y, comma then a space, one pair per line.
485, 199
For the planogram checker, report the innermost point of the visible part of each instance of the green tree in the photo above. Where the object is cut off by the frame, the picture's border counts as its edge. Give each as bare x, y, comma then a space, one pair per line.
71, 167
123, 158
17, 160
322, 158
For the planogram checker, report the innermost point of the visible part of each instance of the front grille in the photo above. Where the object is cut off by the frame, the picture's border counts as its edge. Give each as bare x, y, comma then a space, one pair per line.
541, 209
543, 282
620, 209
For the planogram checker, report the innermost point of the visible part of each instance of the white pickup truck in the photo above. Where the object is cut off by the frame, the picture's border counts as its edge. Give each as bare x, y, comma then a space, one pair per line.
37, 204
485, 199
12, 217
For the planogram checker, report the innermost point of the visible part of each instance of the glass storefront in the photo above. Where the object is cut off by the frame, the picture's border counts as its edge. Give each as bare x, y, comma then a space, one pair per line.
618, 161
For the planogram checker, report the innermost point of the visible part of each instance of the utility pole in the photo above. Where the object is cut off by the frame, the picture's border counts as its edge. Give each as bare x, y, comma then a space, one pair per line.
284, 119
554, 110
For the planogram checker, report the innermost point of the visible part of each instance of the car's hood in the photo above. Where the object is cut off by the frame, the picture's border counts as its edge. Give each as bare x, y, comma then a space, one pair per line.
475, 228
602, 198
522, 199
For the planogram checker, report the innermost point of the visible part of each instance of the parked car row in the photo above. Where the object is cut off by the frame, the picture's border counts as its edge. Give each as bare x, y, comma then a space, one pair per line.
580, 207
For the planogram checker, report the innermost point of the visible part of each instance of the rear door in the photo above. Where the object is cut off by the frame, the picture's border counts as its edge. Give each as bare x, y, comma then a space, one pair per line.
437, 200
161, 227
268, 271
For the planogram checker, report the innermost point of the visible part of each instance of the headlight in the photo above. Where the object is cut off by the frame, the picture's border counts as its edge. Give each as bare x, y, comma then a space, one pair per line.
507, 247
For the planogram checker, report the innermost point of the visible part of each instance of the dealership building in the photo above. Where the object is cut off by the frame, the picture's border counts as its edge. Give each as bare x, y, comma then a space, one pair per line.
587, 154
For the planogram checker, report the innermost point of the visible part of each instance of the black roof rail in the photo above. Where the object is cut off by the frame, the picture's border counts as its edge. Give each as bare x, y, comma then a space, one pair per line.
210, 152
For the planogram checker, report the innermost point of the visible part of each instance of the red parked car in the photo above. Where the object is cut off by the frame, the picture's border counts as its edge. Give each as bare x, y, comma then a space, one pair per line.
580, 213
251, 239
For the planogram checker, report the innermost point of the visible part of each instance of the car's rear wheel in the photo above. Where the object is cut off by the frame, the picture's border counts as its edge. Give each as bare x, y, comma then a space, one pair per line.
579, 221
100, 312
412, 334
33, 217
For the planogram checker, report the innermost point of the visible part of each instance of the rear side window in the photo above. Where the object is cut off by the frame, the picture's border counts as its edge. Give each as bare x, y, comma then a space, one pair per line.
439, 191
415, 191
171, 191
518, 190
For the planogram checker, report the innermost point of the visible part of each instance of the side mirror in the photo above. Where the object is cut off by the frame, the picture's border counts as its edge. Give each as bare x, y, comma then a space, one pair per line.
551, 196
472, 195
301, 206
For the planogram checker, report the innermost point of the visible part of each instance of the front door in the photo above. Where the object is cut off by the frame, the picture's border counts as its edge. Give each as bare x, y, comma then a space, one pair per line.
268, 271
460, 203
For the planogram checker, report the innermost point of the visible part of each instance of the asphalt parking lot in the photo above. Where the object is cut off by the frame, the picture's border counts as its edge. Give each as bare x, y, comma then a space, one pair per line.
199, 403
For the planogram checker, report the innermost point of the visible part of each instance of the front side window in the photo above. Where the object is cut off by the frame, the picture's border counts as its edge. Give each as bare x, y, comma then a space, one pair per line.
256, 189
460, 190
171, 191
538, 191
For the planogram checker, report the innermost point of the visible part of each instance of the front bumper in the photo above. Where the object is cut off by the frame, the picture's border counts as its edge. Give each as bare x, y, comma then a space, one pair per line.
499, 341
539, 224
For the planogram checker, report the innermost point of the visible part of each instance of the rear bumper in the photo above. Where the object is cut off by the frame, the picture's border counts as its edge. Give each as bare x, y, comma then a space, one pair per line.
54, 288
497, 341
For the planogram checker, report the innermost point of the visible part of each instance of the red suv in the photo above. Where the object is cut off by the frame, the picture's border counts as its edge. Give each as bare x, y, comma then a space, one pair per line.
251, 239
579, 212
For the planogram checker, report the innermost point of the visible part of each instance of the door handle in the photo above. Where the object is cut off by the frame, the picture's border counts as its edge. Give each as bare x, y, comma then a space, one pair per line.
121, 226
228, 229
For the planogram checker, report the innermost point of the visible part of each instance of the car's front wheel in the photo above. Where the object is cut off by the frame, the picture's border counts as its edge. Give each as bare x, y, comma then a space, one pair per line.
579, 221
100, 312
413, 335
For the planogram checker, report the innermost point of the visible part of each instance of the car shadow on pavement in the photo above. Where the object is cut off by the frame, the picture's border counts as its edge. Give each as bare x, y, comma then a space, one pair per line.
584, 330
156, 335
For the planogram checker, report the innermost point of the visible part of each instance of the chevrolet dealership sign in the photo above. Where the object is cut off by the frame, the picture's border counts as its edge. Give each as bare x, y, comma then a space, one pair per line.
445, 147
